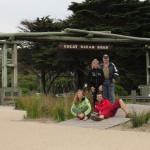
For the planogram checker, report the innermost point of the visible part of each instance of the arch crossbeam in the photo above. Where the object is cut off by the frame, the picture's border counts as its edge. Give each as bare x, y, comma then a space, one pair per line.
76, 35
107, 34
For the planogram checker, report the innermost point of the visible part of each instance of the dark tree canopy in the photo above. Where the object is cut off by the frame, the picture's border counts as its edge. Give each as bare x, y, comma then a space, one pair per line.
128, 17
41, 57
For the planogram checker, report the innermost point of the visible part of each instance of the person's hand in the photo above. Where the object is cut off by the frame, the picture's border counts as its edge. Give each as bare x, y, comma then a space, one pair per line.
81, 115
100, 88
93, 89
101, 116
113, 80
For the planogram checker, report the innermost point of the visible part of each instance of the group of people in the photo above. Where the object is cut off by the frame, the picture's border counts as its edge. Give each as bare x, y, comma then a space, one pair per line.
101, 80
103, 76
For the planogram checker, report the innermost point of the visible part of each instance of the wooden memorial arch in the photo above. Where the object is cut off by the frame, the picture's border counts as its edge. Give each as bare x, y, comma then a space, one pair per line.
69, 39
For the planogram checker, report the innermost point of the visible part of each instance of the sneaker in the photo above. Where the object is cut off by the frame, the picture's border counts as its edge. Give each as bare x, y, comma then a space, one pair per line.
96, 118
94, 114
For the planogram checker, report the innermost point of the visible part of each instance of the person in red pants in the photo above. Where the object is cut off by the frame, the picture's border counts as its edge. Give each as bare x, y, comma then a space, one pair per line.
105, 109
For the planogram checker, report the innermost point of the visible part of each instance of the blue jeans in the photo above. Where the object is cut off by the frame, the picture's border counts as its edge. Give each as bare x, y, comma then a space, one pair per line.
109, 90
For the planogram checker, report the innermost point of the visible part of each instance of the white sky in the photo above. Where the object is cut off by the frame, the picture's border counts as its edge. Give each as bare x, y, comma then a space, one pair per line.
12, 12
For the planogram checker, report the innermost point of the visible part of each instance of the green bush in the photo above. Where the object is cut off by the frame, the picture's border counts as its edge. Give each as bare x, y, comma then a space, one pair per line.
138, 119
62, 84
28, 83
119, 90
25, 91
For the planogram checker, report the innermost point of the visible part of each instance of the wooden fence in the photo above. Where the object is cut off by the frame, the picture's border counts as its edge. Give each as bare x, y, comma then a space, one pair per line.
133, 97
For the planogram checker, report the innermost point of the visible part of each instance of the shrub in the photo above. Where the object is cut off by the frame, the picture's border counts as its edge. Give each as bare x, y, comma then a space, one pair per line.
119, 90
28, 83
138, 119
62, 84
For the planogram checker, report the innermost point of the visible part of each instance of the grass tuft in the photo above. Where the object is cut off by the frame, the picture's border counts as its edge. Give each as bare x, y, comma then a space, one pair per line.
46, 106
139, 119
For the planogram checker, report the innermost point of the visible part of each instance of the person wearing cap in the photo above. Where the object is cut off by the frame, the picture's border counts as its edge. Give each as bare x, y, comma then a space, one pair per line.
110, 75
95, 78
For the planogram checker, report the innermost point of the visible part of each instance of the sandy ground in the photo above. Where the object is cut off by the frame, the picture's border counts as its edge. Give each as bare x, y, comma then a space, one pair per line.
127, 127
16, 134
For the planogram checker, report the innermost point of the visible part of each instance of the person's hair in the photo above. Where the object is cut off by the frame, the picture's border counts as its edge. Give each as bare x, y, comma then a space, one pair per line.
100, 92
105, 56
76, 98
94, 61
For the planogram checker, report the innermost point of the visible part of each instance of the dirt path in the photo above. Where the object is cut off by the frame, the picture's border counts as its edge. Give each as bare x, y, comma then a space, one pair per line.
16, 134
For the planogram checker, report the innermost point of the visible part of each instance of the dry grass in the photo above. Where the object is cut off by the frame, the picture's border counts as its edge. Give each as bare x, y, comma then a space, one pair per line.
46, 106
139, 119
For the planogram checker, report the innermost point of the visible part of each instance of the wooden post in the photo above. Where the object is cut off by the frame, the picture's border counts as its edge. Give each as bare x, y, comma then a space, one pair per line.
147, 68
4, 66
7, 93
4, 71
133, 95
14, 64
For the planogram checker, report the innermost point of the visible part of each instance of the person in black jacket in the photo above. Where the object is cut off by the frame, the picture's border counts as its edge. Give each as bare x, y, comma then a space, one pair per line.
95, 79
110, 75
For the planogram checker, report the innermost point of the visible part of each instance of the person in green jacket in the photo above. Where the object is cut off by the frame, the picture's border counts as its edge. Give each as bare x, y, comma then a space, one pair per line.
81, 107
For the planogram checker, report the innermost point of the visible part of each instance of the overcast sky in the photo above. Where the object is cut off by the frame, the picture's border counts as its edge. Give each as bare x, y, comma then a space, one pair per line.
12, 12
